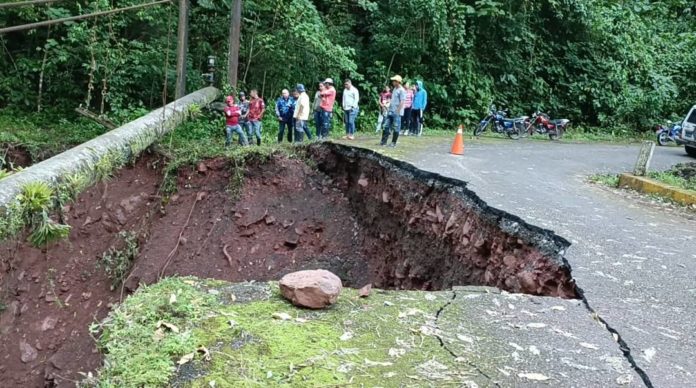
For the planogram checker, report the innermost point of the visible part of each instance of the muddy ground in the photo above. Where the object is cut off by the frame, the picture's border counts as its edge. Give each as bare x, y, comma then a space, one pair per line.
366, 221
12, 156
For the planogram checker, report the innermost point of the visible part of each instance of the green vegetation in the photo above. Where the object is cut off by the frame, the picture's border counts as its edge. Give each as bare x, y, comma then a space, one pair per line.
202, 333
611, 180
596, 62
118, 262
35, 202
672, 178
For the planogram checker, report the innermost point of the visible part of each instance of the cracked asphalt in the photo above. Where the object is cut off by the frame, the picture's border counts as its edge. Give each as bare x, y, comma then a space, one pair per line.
635, 260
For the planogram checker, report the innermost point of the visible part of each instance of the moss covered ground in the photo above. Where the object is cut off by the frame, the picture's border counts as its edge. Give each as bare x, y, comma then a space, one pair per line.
197, 333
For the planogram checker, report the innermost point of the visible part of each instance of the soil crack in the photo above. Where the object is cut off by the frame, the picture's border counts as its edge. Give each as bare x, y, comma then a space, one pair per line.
450, 351
625, 349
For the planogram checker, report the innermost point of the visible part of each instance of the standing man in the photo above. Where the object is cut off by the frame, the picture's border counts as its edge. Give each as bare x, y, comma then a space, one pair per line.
396, 109
232, 114
301, 115
244, 111
350, 108
420, 102
284, 110
384, 99
328, 96
408, 103
317, 110
256, 109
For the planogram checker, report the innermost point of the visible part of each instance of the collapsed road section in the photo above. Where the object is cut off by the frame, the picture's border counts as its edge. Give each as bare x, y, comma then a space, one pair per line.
365, 217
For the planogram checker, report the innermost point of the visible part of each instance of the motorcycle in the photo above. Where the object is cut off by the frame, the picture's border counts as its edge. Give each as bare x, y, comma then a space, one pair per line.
541, 123
671, 132
500, 124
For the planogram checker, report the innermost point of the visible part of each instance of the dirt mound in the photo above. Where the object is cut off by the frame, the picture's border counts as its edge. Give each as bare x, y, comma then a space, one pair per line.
684, 170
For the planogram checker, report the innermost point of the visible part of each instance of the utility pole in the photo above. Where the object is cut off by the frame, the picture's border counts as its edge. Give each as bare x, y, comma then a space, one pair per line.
233, 59
182, 48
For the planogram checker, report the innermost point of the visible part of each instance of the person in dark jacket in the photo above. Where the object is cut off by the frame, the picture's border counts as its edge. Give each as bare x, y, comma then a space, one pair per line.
284, 109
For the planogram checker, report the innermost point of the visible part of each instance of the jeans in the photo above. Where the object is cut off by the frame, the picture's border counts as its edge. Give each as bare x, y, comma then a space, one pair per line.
380, 120
416, 122
301, 129
406, 119
234, 128
254, 128
325, 123
318, 123
282, 126
392, 123
349, 120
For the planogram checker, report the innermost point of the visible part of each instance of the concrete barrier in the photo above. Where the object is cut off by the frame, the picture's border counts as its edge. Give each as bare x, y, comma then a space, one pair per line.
650, 186
129, 139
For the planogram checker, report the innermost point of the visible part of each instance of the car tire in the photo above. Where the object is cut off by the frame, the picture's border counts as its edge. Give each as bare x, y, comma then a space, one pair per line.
691, 151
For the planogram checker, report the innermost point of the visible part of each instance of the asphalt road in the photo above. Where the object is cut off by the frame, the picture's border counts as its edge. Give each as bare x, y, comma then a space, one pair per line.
635, 260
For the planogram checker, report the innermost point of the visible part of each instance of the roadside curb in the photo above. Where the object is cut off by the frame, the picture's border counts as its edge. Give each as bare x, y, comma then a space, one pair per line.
650, 186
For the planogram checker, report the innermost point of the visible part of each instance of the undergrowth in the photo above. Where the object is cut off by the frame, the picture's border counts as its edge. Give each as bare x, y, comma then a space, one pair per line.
117, 262
611, 180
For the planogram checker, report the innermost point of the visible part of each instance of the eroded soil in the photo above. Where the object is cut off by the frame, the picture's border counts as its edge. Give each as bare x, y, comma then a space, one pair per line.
366, 219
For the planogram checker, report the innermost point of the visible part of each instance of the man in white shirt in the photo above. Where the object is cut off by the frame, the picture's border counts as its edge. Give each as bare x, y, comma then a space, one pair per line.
350, 108
301, 115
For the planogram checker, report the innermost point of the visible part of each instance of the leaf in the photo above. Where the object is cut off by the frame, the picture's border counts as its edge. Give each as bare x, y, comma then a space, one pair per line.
158, 335
281, 316
364, 292
377, 363
205, 352
172, 299
186, 358
346, 336
167, 325
533, 376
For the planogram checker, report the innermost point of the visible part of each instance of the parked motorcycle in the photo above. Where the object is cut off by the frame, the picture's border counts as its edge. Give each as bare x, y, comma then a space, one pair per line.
541, 123
500, 124
668, 133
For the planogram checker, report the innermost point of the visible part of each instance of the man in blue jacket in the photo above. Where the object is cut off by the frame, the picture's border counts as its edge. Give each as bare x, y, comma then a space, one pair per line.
284, 110
420, 102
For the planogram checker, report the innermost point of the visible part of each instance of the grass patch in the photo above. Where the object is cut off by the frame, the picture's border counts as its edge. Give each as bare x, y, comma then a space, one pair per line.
682, 175
118, 262
611, 180
241, 344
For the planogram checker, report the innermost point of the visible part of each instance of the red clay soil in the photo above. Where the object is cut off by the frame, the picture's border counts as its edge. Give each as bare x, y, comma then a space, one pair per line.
288, 217
52, 296
15, 156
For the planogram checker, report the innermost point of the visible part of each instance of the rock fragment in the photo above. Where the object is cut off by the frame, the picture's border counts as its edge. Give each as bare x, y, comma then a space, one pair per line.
314, 289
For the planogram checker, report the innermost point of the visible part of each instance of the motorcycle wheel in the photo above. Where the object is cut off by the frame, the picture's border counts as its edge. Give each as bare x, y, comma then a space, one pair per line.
555, 135
514, 133
662, 138
480, 128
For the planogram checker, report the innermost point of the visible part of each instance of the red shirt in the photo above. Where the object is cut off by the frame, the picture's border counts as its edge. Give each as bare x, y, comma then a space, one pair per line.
256, 109
328, 96
232, 114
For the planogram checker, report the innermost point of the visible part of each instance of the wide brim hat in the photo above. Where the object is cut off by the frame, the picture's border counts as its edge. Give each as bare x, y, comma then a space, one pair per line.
328, 81
397, 78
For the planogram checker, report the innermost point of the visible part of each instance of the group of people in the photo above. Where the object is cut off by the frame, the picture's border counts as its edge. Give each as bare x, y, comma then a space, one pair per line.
401, 111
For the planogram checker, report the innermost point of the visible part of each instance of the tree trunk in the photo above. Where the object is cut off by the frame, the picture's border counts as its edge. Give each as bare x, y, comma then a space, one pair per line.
182, 48
233, 59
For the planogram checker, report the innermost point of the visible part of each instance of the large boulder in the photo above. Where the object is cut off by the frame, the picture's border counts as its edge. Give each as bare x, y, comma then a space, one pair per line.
314, 289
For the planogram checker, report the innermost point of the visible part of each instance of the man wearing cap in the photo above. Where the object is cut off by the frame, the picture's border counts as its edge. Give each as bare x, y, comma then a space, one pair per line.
256, 109
284, 110
350, 108
232, 114
328, 96
392, 123
301, 115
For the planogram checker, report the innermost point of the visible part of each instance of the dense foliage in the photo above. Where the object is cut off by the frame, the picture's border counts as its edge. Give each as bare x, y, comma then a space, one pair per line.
600, 62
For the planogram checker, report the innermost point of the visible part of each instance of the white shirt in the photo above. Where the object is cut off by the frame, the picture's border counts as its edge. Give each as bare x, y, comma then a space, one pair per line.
350, 98
303, 103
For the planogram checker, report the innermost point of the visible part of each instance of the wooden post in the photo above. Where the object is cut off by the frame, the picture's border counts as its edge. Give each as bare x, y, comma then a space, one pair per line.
233, 59
182, 49
644, 156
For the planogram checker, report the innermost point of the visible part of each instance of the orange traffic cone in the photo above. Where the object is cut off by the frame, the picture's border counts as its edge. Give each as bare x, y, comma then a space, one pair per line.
458, 144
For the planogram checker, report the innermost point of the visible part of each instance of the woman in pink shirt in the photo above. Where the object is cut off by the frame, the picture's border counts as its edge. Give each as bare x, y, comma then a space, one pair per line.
328, 96
408, 104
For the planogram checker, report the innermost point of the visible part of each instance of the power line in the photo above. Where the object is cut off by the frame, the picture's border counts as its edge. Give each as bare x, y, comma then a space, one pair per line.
44, 23
25, 3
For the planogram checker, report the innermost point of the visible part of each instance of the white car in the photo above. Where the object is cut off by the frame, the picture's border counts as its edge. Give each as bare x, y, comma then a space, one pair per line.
688, 135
